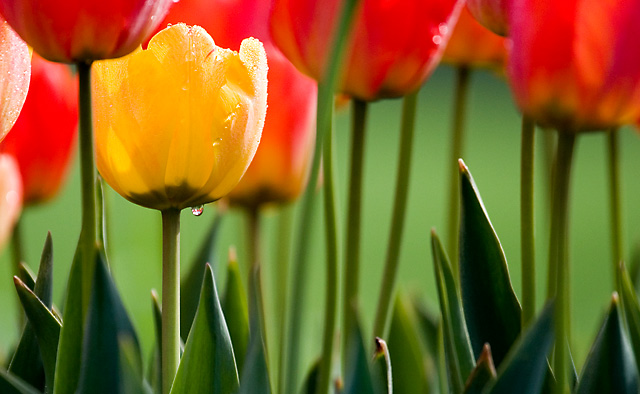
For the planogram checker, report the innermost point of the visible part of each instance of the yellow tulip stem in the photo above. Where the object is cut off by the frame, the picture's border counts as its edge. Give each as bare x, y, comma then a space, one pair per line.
87, 242
558, 256
289, 369
527, 223
463, 77
170, 297
615, 209
380, 326
354, 209
331, 235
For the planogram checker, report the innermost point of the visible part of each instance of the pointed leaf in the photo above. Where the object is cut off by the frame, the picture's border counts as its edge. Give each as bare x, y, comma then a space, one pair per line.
409, 372
457, 345
11, 384
234, 306
525, 366
191, 283
358, 378
382, 375
483, 373
631, 309
111, 361
490, 306
26, 276
208, 364
46, 328
610, 366
310, 385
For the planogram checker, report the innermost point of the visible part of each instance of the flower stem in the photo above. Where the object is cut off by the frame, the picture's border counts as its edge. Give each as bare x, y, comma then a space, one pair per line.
170, 297
331, 235
352, 244
256, 302
463, 77
283, 257
558, 254
17, 257
88, 181
399, 208
527, 224
615, 201
289, 370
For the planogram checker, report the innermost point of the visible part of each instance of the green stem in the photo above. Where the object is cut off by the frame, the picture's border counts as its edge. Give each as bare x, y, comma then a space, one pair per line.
399, 208
617, 243
527, 224
331, 234
283, 256
558, 255
289, 369
87, 243
463, 76
256, 301
170, 297
352, 244
17, 257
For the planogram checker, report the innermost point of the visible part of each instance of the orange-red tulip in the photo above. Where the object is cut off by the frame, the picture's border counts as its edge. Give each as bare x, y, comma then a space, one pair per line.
492, 14
44, 135
473, 45
280, 168
575, 64
10, 196
394, 46
84, 30
15, 69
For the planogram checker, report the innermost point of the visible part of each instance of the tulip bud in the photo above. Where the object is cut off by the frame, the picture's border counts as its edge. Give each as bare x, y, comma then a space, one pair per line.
178, 123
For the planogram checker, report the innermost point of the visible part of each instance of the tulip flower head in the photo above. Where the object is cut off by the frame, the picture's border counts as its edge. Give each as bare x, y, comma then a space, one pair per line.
15, 68
44, 135
394, 46
84, 30
10, 196
574, 65
492, 14
178, 123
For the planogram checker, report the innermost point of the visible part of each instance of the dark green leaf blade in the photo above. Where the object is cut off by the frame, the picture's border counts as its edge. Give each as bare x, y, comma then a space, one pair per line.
234, 306
457, 345
610, 366
525, 367
631, 310
483, 373
111, 361
358, 378
490, 305
11, 384
208, 364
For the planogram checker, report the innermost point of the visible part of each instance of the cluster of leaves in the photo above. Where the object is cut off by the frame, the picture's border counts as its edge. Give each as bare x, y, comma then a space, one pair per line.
477, 344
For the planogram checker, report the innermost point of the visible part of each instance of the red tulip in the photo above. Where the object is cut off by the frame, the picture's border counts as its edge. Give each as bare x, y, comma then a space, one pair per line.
473, 45
575, 64
279, 170
45, 132
394, 46
492, 14
15, 69
10, 196
83, 30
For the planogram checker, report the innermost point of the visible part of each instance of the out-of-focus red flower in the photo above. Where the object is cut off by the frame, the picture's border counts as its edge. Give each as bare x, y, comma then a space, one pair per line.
10, 196
44, 135
15, 69
575, 64
83, 30
473, 45
492, 14
394, 46
280, 168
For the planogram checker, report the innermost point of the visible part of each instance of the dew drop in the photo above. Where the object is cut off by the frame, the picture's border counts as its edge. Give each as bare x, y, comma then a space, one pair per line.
443, 29
437, 39
217, 142
197, 211
175, 1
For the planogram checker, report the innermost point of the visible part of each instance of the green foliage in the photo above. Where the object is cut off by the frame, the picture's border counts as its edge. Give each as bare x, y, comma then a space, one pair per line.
234, 306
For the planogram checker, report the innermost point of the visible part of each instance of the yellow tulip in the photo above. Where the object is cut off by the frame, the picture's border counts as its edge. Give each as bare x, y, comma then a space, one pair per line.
177, 124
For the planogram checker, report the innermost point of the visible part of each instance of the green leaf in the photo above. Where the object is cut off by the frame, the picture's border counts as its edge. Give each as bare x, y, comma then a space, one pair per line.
525, 367
409, 372
431, 329
457, 345
26, 276
26, 362
491, 308
11, 384
207, 365
483, 373
382, 375
310, 385
234, 306
191, 283
358, 378
631, 309
610, 366
46, 328
111, 361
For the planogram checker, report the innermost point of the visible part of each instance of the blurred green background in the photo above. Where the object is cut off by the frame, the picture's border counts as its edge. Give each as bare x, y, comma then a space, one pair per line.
492, 154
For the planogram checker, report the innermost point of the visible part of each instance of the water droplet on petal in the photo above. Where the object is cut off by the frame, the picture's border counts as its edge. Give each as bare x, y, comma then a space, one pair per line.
217, 142
197, 211
443, 29
437, 40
